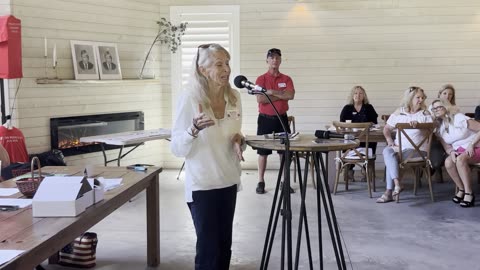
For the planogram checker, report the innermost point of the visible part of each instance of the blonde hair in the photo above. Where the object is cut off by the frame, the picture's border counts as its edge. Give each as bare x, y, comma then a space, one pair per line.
445, 87
449, 108
199, 83
352, 92
408, 96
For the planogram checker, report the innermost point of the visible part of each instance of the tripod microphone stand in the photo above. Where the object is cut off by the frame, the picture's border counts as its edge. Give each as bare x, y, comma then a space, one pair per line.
284, 200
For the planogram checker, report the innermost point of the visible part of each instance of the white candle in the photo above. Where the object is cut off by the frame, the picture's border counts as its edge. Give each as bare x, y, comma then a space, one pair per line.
45, 46
54, 55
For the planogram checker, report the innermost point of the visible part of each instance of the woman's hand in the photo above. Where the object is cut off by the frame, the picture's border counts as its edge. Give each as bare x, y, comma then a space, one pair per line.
470, 150
202, 121
453, 156
390, 142
237, 141
413, 124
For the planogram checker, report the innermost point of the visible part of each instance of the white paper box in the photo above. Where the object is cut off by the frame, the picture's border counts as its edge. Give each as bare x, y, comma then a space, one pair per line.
66, 196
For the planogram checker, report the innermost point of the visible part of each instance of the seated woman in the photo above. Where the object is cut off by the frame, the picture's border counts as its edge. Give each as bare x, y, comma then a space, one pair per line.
359, 110
437, 154
460, 136
412, 110
477, 113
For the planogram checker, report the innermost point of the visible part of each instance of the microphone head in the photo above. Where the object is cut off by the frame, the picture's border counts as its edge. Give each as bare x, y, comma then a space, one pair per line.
238, 81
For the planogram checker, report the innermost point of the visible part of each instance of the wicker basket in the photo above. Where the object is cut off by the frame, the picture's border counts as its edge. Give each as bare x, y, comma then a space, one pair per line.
28, 186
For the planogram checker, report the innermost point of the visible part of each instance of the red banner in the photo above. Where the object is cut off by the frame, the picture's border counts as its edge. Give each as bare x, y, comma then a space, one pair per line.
10, 47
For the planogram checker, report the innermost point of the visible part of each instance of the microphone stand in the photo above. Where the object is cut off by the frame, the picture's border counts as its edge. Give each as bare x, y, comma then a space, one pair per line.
287, 208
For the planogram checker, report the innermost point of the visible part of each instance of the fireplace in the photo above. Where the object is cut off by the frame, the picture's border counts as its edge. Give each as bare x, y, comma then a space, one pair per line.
65, 132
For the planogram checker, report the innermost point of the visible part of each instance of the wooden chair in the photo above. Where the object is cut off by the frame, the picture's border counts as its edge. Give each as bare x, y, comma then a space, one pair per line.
417, 160
471, 115
291, 124
355, 156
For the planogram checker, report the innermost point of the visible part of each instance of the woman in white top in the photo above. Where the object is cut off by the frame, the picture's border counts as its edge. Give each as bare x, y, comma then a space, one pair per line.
207, 134
437, 154
412, 110
460, 136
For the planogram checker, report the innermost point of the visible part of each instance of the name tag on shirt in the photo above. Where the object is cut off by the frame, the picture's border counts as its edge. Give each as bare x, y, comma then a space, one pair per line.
233, 114
282, 84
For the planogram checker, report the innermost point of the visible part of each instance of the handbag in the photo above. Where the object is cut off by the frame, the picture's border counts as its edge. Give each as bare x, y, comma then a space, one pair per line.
81, 252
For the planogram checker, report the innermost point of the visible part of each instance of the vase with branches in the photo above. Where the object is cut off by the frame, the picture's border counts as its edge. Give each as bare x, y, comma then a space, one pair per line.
167, 34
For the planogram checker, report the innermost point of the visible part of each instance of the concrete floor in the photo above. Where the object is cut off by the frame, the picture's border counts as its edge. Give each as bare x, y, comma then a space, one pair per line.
414, 234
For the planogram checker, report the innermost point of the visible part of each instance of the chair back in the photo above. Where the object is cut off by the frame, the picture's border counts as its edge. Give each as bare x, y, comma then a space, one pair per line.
291, 123
417, 155
361, 132
471, 115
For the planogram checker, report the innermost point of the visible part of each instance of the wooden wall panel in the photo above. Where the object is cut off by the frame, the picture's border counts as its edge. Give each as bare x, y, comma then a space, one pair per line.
330, 46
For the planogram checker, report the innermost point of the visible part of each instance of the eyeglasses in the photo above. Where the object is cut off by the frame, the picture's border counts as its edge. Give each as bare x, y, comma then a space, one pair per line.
203, 46
438, 108
413, 88
274, 51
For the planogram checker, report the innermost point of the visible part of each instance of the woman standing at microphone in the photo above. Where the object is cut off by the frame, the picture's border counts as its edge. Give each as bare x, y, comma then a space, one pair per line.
207, 134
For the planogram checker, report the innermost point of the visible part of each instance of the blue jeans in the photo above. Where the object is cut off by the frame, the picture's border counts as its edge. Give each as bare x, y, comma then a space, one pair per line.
212, 213
390, 158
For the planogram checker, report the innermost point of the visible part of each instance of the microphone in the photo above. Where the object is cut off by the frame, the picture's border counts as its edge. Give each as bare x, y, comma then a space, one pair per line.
241, 82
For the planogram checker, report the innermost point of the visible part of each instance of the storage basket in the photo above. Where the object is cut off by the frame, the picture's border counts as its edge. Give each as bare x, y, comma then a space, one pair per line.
28, 186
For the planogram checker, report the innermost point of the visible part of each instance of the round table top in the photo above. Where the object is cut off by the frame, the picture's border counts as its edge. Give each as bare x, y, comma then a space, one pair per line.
305, 143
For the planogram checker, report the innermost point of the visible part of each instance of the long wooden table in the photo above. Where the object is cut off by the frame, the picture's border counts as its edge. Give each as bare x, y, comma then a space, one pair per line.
43, 237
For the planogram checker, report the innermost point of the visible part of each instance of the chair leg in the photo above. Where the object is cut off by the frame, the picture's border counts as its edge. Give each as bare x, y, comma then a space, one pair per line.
294, 168
312, 171
368, 176
374, 175
337, 178
429, 179
345, 169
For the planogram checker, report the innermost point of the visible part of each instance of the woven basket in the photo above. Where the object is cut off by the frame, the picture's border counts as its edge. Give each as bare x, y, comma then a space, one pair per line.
28, 186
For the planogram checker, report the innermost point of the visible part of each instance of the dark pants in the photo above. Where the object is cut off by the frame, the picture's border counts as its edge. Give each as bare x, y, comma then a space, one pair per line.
267, 124
437, 154
212, 213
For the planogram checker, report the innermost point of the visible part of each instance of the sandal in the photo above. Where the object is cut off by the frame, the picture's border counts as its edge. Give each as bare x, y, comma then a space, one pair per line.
459, 196
396, 193
465, 203
385, 198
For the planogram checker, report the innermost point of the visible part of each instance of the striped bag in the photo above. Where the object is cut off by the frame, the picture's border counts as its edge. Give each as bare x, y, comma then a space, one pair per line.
81, 252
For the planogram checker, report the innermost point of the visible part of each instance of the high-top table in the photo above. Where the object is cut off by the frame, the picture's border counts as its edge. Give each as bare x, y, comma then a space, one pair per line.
130, 138
310, 148
42, 237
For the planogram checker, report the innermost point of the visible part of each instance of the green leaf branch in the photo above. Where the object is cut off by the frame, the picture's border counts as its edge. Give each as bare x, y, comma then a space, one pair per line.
168, 34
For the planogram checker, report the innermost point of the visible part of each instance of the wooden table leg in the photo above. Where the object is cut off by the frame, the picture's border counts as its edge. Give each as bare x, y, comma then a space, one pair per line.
153, 223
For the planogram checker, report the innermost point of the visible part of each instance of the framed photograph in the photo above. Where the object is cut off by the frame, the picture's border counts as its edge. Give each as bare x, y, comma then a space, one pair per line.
84, 58
108, 61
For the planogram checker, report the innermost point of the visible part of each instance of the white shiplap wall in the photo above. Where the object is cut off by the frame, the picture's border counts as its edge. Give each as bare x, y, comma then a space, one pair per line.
131, 25
329, 46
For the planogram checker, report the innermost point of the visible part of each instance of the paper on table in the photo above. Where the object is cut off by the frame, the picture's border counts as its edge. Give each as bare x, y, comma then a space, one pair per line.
8, 191
110, 183
22, 203
7, 255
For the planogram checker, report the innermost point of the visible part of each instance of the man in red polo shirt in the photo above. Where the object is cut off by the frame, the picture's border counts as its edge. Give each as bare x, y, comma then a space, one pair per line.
280, 90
